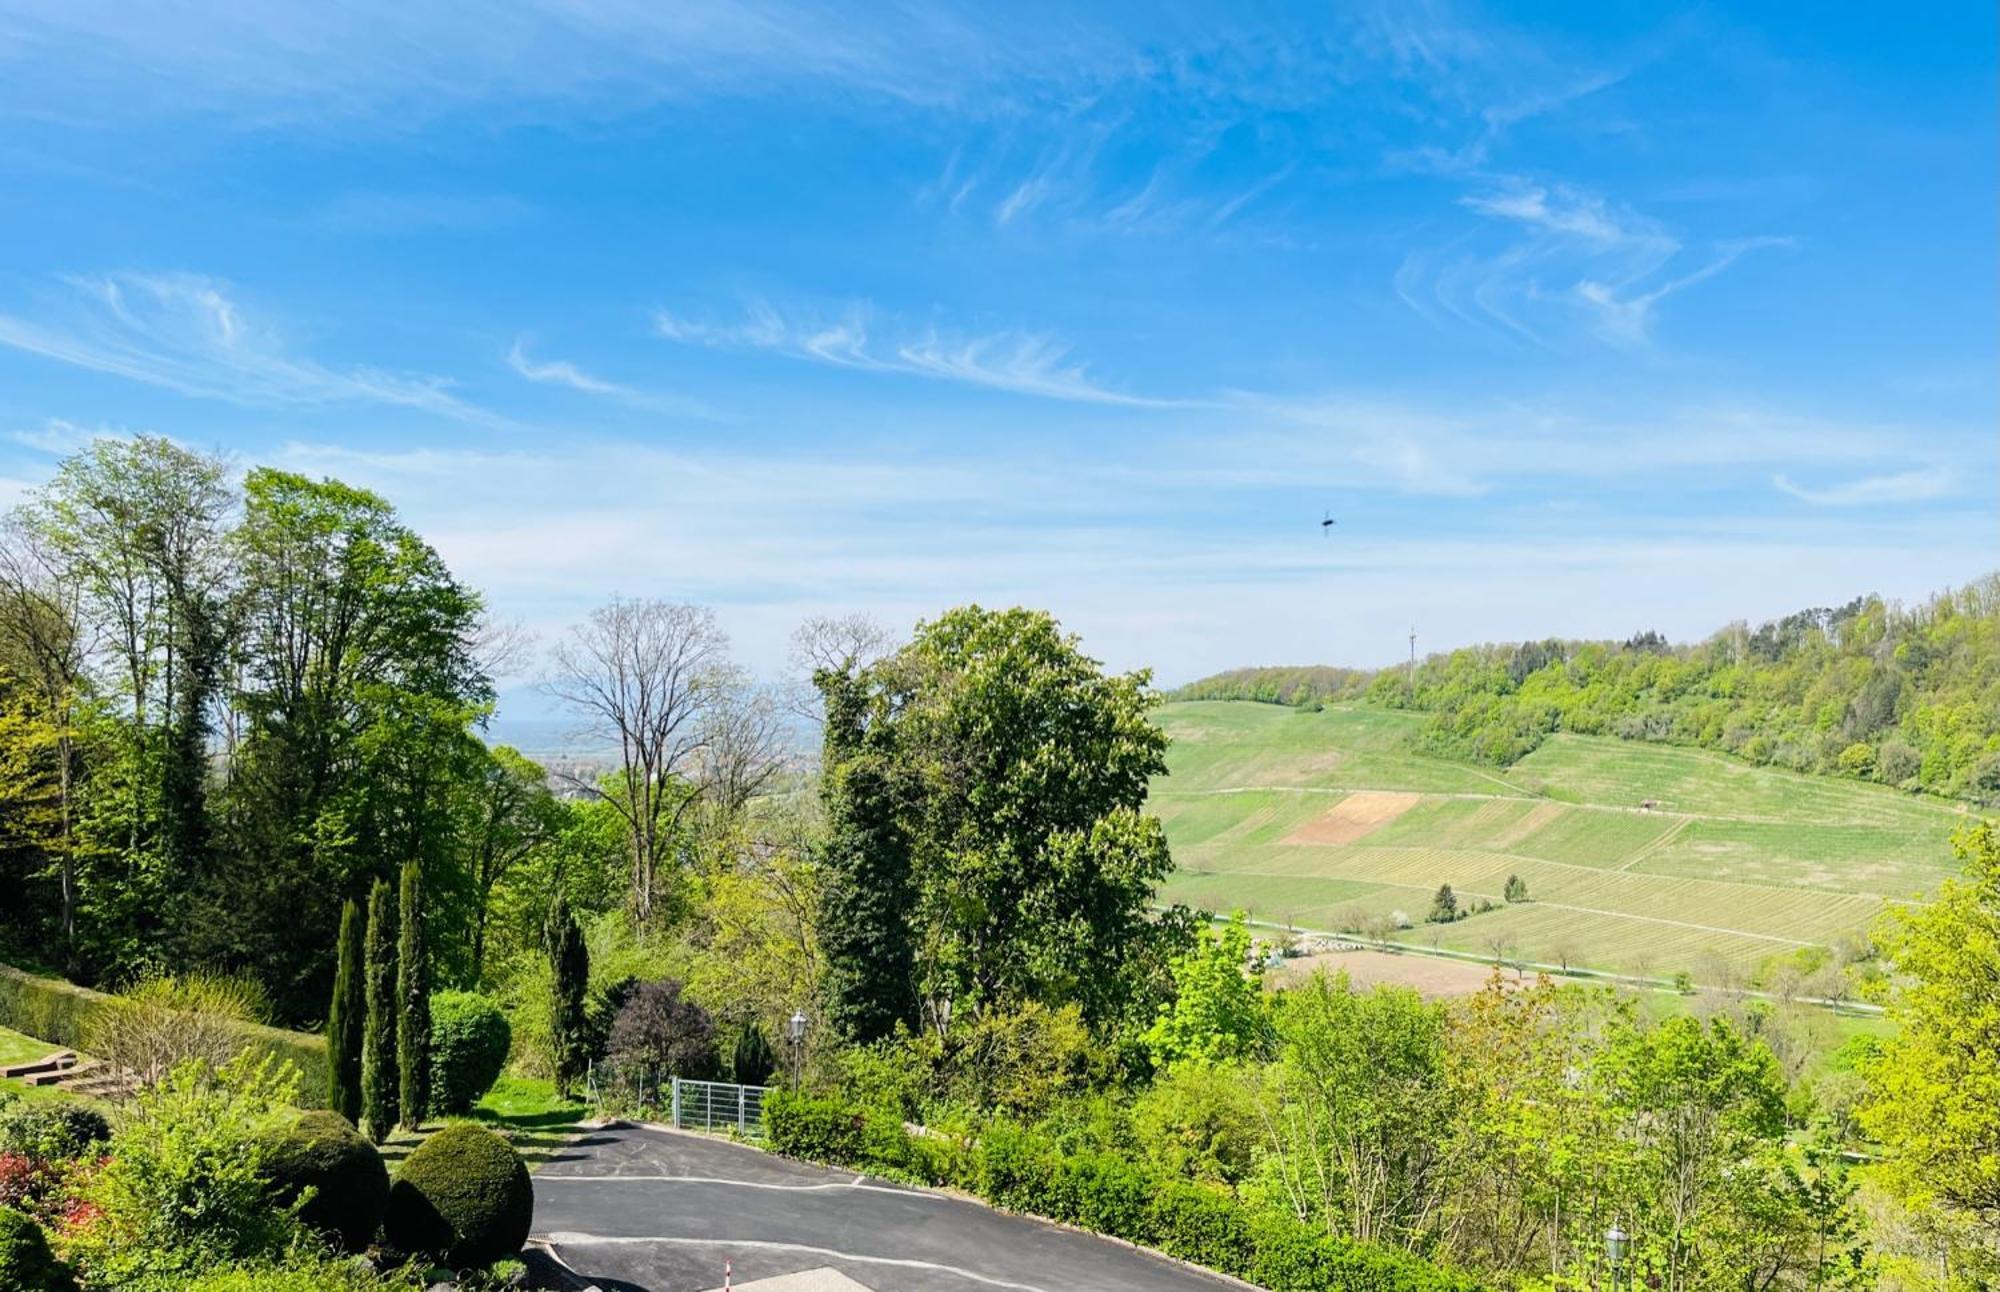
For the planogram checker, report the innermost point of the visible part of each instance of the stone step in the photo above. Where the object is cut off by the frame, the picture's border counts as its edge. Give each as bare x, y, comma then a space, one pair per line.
57, 1062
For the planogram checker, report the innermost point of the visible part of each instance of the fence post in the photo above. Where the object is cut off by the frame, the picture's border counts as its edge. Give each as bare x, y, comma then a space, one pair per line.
742, 1119
677, 1103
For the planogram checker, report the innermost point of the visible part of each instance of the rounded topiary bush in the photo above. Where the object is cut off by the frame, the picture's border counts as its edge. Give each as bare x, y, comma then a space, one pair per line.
469, 1043
322, 1151
26, 1263
463, 1197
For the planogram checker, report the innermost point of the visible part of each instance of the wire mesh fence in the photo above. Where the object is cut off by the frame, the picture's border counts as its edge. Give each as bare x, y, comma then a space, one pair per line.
642, 1090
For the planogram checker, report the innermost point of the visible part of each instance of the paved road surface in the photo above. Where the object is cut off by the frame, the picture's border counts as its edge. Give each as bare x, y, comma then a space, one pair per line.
630, 1208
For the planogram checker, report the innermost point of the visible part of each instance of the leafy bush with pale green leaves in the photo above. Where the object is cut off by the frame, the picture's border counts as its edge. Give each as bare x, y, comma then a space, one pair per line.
184, 1189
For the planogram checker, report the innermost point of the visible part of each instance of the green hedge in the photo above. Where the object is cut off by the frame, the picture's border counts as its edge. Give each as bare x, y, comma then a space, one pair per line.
1015, 1168
60, 1013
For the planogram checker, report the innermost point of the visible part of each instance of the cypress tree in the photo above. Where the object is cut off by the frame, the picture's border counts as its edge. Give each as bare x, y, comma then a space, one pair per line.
378, 1036
346, 1017
570, 961
866, 891
413, 993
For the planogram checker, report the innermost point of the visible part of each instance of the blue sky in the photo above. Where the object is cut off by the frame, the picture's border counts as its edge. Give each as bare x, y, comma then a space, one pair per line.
1581, 319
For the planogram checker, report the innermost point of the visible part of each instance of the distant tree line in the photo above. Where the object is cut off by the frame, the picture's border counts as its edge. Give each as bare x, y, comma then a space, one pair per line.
1906, 696
1302, 686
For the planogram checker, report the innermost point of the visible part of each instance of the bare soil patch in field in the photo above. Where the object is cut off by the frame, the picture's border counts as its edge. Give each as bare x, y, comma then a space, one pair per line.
1432, 976
1354, 817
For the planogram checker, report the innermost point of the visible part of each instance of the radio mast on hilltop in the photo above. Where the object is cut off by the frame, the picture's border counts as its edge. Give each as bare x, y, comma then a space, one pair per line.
1411, 686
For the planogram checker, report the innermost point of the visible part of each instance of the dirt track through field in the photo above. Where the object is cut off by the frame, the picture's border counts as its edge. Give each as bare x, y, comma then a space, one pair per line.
1357, 816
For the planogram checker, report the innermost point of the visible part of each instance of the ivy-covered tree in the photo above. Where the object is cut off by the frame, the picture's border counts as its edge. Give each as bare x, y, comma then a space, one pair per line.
379, 1086
413, 994
569, 962
866, 891
346, 1016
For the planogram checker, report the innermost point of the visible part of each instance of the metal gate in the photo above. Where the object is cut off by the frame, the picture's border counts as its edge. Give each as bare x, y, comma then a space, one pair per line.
718, 1105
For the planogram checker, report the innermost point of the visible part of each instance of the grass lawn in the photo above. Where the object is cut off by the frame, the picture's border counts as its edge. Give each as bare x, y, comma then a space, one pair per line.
524, 1109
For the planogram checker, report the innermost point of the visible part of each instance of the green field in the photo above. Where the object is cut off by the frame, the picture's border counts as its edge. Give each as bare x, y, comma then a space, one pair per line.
1325, 819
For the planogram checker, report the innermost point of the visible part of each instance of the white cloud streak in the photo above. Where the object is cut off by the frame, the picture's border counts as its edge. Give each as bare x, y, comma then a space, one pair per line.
186, 333
1022, 363
1872, 491
561, 372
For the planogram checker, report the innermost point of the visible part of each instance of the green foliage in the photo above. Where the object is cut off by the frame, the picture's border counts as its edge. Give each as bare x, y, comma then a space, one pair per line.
569, 963
1023, 1170
304, 1271
462, 1196
1012, 771
184, 1188
63, 1013
1902, 696
322, 1160
469, 1043
816, 1129
751, 1059
379, 1089
1444, 906
1934, 1099
1302, 688
1200, 1121
1516, 889
26, 1262
1217, 1013
867, 892
347, 1017
1363, 1108
413, 998
52, 1130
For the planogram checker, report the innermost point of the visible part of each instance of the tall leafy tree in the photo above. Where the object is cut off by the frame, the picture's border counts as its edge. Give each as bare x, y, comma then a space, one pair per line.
136, 528
45, 643
508, 812
413, 994
569, 962
379, 1084
356, 689
1020, 769
1934, 1089
347, 1016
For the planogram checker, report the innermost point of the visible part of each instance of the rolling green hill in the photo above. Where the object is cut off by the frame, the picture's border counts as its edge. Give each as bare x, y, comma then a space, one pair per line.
1326, 819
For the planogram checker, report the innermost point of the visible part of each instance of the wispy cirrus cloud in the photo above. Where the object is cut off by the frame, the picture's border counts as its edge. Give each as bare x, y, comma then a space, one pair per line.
1921, 485
1020, 362
1566, 257
561, 372
188, 334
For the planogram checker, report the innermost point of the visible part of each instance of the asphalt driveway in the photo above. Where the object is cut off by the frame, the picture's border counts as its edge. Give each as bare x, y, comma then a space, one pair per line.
633, 1208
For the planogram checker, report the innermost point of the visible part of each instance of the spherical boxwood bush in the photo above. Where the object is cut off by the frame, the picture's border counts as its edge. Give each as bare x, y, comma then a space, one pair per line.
469, 1043
322, 1151
462, 1197
26, 1263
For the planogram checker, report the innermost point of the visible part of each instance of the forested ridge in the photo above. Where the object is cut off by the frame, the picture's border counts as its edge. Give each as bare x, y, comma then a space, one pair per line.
1907, 696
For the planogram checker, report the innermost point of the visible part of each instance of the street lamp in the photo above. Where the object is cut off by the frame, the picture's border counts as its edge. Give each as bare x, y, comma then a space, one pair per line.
1617, 1246
795, 1032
